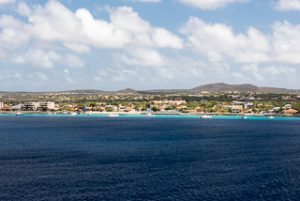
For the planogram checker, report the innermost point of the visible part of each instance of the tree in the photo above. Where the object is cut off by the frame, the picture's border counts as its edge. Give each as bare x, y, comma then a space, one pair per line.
92, 105
155, 109
109, 109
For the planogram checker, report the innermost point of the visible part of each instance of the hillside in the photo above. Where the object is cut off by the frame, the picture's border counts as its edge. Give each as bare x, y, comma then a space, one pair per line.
223, 87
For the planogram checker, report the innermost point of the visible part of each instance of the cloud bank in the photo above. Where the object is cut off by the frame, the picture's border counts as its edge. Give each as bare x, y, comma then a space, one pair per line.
123, 49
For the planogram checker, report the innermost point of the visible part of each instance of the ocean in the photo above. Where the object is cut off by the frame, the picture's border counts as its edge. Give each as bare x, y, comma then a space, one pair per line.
134, 158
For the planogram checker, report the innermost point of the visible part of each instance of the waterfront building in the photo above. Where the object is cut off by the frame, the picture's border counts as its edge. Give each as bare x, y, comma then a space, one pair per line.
46, 106
233, 108
1, 105
17, 107
249, 105
275, 110
287, 107
30, 106
169, 102
34, 106
290, 112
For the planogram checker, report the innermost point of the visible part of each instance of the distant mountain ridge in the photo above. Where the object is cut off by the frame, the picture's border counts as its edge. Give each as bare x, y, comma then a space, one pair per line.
223, 87
127, 91
211, 88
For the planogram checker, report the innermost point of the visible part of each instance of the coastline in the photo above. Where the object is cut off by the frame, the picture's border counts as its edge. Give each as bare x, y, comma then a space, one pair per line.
156, 115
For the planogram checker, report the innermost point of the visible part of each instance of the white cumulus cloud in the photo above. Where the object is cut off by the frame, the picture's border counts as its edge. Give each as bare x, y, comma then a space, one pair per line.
287, 5
209, 4
286, 42
142, 57
2, 2
219, 42
43, 29
80, 30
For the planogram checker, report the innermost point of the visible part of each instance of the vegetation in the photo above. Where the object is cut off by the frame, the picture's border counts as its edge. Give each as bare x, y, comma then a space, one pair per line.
186, 102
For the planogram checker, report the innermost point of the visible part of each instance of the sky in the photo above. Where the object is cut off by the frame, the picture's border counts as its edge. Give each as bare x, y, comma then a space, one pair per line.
48, 45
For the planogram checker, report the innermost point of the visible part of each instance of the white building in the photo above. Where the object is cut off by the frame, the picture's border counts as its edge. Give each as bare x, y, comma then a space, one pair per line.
249, 105
17, 107
47, 105
287, 107
169, 102
33, 106
30, 106
1, 105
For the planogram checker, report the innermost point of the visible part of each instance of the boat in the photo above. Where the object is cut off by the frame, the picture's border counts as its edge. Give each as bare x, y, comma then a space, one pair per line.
73, 113
271, 117
244, 117
19, 114
113, 115
206, 117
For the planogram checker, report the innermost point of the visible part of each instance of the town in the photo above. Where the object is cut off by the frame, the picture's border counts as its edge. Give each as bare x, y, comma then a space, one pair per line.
133, 102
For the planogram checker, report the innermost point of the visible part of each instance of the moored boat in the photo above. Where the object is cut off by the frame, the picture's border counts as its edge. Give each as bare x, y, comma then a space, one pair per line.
113, 115
206, 117
19, 114
73, 113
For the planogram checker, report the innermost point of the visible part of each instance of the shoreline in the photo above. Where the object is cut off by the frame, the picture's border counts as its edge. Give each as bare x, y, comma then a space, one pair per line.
150, 114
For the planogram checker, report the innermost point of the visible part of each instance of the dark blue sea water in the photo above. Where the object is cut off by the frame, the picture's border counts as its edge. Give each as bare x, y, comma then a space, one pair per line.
89, 158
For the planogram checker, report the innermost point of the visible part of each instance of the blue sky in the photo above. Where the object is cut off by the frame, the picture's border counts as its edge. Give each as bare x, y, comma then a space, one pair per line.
88, 44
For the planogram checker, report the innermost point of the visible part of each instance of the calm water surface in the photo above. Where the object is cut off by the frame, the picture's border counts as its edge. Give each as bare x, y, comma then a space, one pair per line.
73, 158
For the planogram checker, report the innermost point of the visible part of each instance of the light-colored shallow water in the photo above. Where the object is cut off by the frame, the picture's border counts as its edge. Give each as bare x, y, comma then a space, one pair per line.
204, 117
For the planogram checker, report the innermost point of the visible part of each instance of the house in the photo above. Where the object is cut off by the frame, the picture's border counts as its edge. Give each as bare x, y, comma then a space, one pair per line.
69, 107
249, 105
275, 110
290, 112
1, 105
234, 108
169, 102
238, 106
251, 98
286, 98
287, 107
